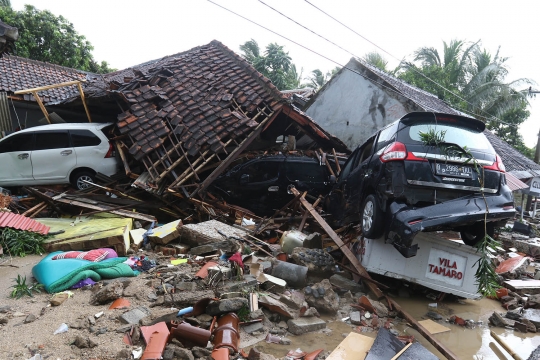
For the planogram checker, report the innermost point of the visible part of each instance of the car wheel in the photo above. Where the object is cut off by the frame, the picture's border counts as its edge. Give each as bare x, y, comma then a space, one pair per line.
372, 217
472, 234
79, 178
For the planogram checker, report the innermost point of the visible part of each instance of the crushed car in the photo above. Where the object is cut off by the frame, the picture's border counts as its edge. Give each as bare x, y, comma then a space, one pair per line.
262, 184
424, 172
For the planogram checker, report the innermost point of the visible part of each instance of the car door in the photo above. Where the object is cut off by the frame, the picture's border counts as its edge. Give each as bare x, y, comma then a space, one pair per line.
53, 157
306, 174
16, 159
260, 185
335, 201
354, 192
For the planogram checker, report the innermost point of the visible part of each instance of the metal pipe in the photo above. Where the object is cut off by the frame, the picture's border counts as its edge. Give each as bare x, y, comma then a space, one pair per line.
294, 275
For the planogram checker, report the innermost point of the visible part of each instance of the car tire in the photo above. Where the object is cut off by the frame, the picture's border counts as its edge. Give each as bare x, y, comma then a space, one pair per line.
372, 218
475, 232
78, 177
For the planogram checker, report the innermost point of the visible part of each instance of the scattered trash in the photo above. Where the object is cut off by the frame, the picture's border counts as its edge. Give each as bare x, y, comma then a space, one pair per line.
61, 329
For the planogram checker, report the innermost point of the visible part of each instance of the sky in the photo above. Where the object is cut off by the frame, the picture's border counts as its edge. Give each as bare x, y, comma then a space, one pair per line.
126, 33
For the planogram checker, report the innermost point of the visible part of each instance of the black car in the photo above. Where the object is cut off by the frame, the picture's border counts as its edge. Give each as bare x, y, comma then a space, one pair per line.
417, 174
261, 185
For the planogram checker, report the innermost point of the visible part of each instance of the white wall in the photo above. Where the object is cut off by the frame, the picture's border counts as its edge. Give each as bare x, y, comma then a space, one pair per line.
353, 108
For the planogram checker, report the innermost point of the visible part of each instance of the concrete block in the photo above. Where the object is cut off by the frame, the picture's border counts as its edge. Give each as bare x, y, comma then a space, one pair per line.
135, 315
237, 286
186, 286
166, 233
251, 328
345, 284
305, 324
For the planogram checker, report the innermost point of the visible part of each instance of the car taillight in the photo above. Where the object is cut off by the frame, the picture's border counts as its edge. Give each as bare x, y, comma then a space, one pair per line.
111, 152
497, 165
393, 152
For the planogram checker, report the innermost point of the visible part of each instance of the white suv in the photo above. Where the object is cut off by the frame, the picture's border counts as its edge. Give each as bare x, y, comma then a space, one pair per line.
56, 154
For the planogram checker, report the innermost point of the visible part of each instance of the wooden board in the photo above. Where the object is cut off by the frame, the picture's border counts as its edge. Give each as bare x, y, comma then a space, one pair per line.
523, 286
87, 233
353, 347
433, 327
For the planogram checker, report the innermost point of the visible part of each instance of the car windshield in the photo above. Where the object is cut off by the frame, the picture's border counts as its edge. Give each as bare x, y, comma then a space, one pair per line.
453, 135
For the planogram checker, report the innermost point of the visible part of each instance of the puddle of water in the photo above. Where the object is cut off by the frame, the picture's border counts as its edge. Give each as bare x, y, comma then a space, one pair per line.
476, 344
311, 341
472, 343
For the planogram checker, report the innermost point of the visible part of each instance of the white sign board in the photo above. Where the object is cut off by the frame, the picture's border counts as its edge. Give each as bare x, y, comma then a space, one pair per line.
446, 267
534, 186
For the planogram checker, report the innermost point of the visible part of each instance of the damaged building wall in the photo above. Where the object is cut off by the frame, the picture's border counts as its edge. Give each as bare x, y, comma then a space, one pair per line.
353, 107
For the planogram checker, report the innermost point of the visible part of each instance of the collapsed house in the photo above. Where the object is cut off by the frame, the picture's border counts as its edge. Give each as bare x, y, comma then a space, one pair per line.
181, 120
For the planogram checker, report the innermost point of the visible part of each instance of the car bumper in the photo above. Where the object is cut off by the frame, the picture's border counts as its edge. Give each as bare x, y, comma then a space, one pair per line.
407, 221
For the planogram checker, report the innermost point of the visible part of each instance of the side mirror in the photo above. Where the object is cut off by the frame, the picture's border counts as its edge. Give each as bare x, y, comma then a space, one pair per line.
332, 179
244, 179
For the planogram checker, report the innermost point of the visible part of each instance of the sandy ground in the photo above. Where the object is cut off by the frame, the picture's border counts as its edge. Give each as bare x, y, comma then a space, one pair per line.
19, 340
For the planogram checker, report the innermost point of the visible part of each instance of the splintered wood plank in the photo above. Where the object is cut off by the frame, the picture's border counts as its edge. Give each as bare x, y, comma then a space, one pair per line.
433, 327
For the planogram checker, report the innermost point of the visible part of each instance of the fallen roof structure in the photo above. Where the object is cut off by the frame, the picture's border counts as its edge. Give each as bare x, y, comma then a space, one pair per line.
198, 110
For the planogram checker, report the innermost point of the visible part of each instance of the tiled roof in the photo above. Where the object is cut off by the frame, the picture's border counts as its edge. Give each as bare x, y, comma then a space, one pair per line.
19, 222
18, 73
515, 162
196, 92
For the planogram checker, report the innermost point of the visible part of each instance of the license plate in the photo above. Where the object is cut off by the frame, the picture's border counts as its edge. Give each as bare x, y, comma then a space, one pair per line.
454, 170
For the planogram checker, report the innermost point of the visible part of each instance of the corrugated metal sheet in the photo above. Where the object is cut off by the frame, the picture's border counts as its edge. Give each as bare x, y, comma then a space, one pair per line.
5, 116
19, 222
514, 183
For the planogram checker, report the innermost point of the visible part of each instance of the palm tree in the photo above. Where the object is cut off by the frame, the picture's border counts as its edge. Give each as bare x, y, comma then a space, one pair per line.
275, 63
470, 72
317, 79
377, 60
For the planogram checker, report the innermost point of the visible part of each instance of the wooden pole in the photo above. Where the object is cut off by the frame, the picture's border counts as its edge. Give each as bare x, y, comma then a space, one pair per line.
84, 101
401, 351
505, 345
36, 96
47, 87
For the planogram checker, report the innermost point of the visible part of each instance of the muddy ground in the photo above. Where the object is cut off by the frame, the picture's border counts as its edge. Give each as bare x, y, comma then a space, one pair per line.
19, 340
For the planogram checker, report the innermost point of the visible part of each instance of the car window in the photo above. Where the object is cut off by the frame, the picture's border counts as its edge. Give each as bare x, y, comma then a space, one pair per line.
348, 165
261, 171
18, 142
311, 172
52, 140
80, 138
366, 151
453, 134
386, 136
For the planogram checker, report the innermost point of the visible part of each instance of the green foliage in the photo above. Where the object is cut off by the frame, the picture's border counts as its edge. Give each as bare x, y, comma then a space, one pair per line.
21, 243
478, 78
275, 64
46, 37
243, 314
21, 288
432, 137
486, 277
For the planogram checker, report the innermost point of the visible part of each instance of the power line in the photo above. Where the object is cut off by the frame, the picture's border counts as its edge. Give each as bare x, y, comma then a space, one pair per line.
321, 55
493, 118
